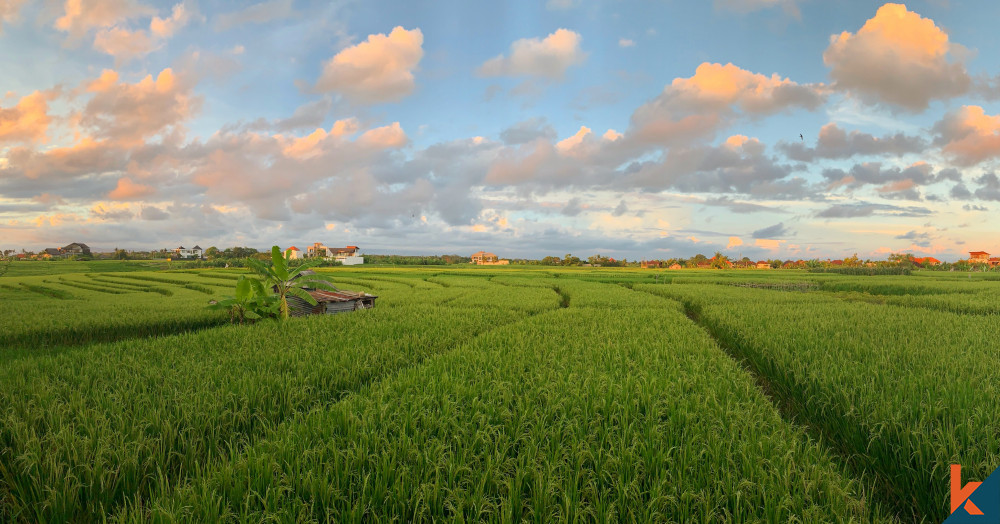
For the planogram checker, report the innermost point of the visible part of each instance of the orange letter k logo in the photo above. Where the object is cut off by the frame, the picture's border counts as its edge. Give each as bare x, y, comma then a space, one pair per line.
961, 494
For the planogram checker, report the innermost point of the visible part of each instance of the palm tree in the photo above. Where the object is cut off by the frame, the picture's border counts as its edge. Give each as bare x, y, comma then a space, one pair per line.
287, 282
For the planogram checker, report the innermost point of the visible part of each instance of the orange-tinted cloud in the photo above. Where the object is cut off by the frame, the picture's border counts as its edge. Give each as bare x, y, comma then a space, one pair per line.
715, 86
9, 11
84, 157
767, 243
734, 242
80, 16
969, 136
133, 112
573, 144
390, 136
379, 69
311, 144
166, 27
694, 108
129, 190
897, 57
123, 44
548, 57
27, 121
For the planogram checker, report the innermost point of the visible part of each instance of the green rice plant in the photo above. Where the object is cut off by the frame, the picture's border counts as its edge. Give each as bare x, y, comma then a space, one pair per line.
48, 291
95, 316
899, 390
863, 271
584, 414
200, 288
84, 431
153, 278
134, 286
111, 290
220, 276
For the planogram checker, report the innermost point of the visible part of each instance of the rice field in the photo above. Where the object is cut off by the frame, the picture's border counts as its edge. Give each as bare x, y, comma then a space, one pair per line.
499, 395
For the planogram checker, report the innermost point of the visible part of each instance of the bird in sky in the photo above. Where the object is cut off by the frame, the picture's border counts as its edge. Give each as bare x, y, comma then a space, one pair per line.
801, 137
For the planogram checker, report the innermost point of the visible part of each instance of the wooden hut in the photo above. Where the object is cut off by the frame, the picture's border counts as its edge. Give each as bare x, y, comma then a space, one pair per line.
328, 302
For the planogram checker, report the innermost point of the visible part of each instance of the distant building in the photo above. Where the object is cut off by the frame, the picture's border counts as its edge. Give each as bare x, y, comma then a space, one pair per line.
348, 256
293, 253
926, 261
650, 264
75, 248
675, 265
979, 257
194, 252
763, 264
482, 258
50, 252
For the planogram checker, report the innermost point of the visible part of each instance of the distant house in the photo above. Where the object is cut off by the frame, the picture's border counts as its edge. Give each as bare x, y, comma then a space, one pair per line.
50, 252
763, 264
979, 257
482, 258
721, 263
75, 249
293, 253
675, 265
348, 256
926, 261
650, 264
704, 265
194, 252
316, 250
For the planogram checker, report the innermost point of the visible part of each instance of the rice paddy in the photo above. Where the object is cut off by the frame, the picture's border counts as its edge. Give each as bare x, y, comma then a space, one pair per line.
499, 395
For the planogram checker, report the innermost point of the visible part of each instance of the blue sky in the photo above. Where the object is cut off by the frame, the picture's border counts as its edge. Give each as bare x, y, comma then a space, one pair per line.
650, 129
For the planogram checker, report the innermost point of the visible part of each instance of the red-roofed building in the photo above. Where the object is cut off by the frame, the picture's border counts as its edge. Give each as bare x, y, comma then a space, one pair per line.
926, 261
650, 264
293, 253
763, 264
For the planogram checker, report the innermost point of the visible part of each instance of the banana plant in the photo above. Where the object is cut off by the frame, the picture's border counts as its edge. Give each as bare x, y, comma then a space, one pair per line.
287, 282
252, 302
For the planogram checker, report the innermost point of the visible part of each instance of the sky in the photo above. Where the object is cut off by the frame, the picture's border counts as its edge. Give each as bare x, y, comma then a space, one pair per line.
638, 129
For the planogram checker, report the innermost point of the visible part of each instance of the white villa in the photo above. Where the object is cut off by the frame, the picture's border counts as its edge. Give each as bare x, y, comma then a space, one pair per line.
348, 256
194, 252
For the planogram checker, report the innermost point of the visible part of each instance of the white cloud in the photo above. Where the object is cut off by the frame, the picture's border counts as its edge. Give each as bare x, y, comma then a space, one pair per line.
549, 57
